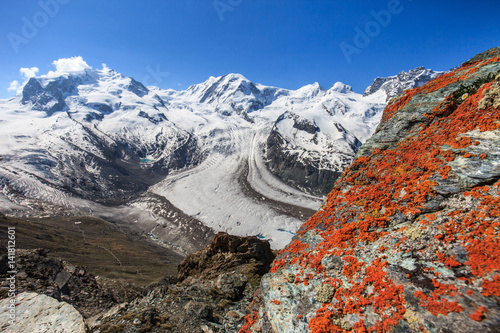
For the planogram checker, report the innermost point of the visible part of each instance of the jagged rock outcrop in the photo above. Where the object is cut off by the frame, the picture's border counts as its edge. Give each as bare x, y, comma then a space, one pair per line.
48, 99
226, 253
40, 313
408, 239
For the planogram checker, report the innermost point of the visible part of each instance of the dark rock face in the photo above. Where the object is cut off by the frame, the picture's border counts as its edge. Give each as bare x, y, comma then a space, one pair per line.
287, 167
137, 88
49, 99
408, 239
249, 256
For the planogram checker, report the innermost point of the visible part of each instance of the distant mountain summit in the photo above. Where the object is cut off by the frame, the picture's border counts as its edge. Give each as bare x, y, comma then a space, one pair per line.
395, 85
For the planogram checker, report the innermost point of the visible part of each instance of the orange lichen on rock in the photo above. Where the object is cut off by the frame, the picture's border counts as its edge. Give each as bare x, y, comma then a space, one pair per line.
376, 290
448, 261
491, 288
277, 264
444, 171
384, 181
395, 106
323, 323
353, 266
479, 314
437, 305
250, 320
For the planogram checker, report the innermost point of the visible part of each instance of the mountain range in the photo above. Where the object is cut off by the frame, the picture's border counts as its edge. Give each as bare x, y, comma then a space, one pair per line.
224, 155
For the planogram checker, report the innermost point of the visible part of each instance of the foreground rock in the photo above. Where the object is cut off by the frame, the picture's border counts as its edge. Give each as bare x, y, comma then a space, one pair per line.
408, 240
40, 313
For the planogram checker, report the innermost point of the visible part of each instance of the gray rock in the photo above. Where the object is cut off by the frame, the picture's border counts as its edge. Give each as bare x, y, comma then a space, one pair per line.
62, 278
40, 313
395, 85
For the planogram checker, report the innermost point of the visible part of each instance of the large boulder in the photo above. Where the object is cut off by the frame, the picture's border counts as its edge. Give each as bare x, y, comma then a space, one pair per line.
408, 239
40, 313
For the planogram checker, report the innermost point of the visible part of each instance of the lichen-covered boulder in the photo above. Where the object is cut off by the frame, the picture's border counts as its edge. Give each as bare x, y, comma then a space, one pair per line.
408, 239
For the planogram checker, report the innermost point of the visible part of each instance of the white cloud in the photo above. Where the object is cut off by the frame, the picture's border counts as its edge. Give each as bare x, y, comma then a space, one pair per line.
14, 86
105, 68
68, 65
28, 72
63, 66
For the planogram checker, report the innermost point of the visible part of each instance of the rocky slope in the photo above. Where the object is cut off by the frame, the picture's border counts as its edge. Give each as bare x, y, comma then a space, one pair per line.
407, 240
213, 289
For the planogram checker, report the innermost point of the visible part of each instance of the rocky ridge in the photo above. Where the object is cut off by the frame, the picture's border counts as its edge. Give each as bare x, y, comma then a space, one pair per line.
407, 240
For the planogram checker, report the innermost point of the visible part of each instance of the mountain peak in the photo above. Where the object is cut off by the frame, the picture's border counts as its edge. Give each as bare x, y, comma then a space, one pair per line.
395, 85
234, 77
311, 90
341, 87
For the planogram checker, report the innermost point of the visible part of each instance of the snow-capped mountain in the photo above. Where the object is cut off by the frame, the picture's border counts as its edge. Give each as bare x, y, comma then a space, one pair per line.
234, 93
319, 134
395, 85
86, 134
224, 155
308, 156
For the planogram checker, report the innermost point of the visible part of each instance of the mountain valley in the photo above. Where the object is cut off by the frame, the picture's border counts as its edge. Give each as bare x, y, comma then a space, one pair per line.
177, 166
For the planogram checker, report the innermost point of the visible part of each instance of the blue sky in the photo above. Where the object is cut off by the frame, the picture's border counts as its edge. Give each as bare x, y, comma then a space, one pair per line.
285, 43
